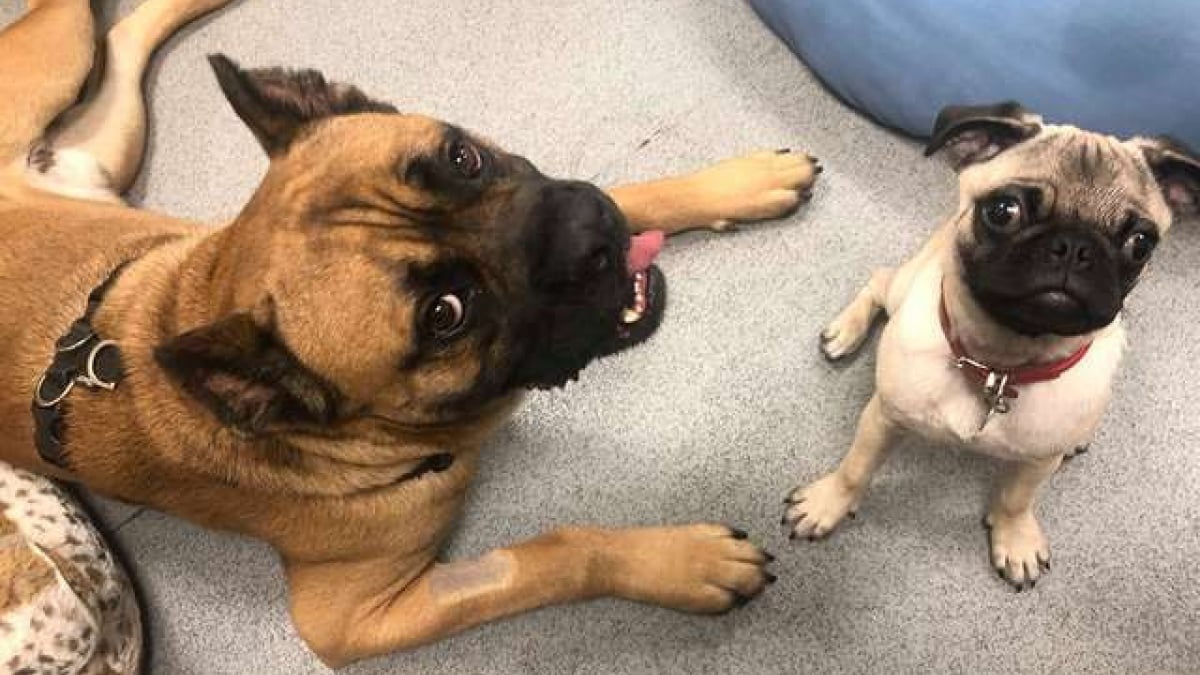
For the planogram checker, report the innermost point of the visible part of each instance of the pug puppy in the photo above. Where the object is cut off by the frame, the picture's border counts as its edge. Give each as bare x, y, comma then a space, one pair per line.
1005, 329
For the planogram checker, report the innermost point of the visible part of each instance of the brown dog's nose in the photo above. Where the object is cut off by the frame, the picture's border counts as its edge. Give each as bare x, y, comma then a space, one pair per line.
581, 233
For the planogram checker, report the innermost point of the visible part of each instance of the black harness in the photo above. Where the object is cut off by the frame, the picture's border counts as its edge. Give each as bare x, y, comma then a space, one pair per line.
81, 356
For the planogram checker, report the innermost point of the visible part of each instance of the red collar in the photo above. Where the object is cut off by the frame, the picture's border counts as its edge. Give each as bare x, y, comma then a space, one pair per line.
982, 372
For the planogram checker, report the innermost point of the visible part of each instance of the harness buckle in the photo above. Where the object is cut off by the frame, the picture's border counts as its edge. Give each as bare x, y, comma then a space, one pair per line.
93, 379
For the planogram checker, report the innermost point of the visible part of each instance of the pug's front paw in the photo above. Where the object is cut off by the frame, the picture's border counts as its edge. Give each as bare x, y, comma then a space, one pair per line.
814, 511
845, 334
1020, 551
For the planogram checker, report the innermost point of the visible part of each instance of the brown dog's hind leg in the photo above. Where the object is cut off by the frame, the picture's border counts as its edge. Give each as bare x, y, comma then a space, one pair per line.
45, 57
110, 129
350, 611
761, 186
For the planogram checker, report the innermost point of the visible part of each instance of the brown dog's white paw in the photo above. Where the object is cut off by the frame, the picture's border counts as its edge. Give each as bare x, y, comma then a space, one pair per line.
814, 511
1020, 551
761, 186
702, 568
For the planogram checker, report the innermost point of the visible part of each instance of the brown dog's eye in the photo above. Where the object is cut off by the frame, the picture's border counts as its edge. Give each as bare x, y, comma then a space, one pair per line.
1138, 247
466, 159
1003, 213
445, 316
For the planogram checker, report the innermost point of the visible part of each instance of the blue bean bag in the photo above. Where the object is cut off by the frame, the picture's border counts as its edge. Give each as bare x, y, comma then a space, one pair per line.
1120, 66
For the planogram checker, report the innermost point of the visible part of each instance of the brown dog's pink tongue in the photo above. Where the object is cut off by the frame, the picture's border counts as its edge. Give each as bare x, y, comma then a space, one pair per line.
643, 249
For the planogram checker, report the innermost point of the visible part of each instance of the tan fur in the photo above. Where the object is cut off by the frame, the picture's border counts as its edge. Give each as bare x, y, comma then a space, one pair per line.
359, 548
920, 391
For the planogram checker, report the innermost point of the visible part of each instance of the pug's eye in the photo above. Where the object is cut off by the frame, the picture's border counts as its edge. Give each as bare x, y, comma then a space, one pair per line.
1138, 247
1003, 213
444, 316
465, 159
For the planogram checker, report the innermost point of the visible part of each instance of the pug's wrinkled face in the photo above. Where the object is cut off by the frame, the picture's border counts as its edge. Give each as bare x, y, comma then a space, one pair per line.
1056, 224
399, 268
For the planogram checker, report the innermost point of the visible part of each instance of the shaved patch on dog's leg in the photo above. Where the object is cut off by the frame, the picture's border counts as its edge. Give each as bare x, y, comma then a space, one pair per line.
465, 579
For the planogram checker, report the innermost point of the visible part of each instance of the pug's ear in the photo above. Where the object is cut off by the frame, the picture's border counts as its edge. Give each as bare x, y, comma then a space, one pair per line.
1177, 169
277, 104
976, 133
243, 372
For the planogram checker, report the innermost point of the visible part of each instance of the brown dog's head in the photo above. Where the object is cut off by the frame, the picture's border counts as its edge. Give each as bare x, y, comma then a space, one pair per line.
1057, 223
397, 267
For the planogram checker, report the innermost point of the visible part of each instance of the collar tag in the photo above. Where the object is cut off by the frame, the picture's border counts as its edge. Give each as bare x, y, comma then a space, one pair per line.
996, 392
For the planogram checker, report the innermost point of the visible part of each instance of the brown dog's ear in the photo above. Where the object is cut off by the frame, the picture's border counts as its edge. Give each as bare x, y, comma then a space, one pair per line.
1177, 169
246, 376
977, 133
277, 104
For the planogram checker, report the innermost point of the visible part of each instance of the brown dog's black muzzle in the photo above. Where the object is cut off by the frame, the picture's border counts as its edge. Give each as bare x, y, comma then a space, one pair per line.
579, 237
575, 242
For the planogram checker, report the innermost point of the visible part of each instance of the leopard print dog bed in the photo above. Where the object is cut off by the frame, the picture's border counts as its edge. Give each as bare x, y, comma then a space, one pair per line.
66, 606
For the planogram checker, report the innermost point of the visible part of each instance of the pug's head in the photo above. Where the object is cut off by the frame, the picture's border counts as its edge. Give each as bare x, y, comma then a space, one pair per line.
397, 268
1056, 223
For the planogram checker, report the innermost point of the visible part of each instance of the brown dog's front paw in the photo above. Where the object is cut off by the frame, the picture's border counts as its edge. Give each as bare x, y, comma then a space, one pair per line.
701, 568
760, 186
1020, 551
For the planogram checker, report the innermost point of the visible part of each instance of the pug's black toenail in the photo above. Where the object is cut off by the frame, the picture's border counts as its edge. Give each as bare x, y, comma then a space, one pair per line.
771, 578
770, 558
736, 533
783, 151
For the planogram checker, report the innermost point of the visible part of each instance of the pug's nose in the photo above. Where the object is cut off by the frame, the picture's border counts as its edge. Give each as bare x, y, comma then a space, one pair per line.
1072, 251
581, 232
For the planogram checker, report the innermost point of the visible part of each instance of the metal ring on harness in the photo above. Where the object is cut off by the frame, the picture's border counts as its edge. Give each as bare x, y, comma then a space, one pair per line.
43, 402
74, 345
89, 377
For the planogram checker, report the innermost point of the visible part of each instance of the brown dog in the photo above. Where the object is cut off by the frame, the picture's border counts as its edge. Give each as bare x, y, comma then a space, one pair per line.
322, 372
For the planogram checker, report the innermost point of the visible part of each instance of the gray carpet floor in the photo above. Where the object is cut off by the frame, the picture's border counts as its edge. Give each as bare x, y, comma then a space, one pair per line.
730, 404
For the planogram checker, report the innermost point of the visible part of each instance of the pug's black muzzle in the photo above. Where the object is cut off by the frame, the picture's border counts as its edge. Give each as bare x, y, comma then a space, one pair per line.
1064, 280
